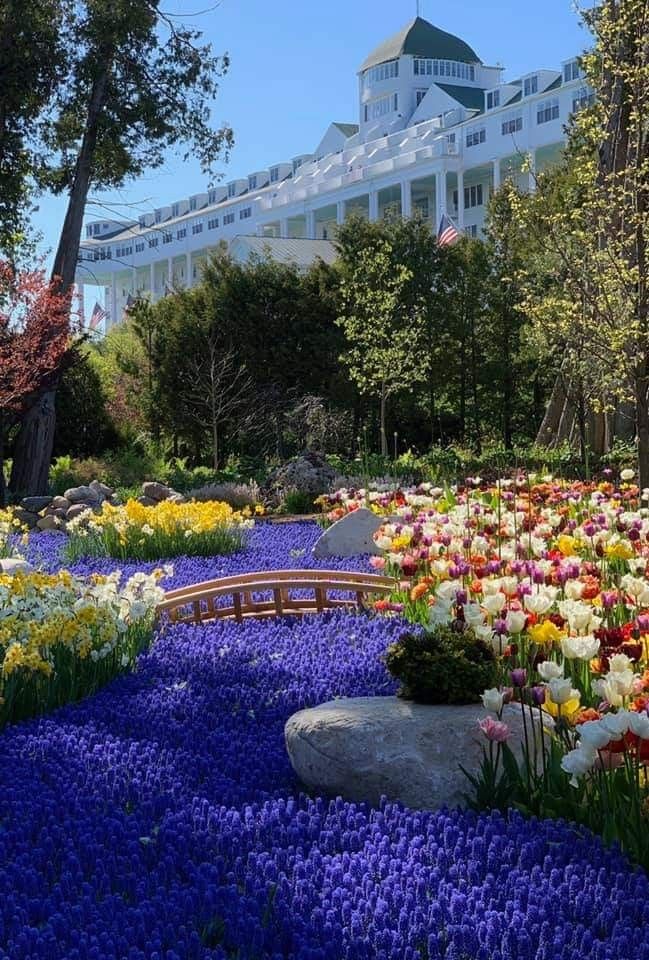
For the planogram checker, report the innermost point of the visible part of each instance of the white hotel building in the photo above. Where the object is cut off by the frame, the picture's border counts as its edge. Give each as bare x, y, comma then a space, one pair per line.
437, 132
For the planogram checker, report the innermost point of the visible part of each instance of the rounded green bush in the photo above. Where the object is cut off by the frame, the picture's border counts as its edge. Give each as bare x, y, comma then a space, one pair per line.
447, 664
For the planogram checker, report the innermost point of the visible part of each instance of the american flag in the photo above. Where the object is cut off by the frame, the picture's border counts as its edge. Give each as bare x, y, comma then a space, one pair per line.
97, 316
448, 232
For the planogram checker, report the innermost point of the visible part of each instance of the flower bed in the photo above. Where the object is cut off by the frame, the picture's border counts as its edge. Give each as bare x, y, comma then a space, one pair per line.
62, 637
168, 529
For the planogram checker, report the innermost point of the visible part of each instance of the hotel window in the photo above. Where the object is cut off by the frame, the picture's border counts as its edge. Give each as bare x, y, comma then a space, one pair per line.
419, 95
245, 214
232, 189
421, 207
297, 164
530, 86
158, 216
139, 247
192, 203
211, 196
384, 71
475, 137
583, 98
213, 223
473, 196
471, 231
252, 183
167, 237
571, 71
274, 174
381, 107
493, 99
153, 241
228, 218
512, 124
142, 221
444, 68
547, 110
175, 209
197, 227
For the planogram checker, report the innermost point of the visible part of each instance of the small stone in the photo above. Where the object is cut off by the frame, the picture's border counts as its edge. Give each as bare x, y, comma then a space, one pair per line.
53, 511
26, 517
176, 498
366, 747
103, 491
148, 502
60, 503
77, 509
81, 494
156, 491
350, 536
14, 564
49, 523
35, 504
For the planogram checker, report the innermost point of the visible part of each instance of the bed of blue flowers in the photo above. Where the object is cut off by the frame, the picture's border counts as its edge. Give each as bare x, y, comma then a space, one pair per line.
160, 819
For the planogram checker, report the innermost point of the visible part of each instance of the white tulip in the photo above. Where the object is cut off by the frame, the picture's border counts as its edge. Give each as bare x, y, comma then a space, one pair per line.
561, 691
578, 763
515, 621
537, 603
617, 724
573, 589
620, 663
627, 474
579, 648
549, 670
493, 700
594, 734
639, 724
493, 603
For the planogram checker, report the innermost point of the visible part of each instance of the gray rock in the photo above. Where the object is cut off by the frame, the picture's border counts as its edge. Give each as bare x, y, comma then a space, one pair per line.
35, 504
148, 502
351, 535
53, 511
77, 509
13, 564
81, 494
103, 491
156, 491
177, 498
60, 503
27, 517
368, 747
309, 474
49, 523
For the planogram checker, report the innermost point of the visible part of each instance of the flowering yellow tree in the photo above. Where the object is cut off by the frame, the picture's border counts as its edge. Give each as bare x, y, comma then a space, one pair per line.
595, 238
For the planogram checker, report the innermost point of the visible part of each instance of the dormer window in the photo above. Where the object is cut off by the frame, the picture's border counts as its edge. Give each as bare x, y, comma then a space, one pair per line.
252, 182
211, 196
274, 174
297, 163
175, 209
493, 99
158, 216
530, 86
192, 203
571, 71
232, 189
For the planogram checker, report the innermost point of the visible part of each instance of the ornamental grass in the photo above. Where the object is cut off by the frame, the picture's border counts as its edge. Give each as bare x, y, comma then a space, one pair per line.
63, 637
137, 532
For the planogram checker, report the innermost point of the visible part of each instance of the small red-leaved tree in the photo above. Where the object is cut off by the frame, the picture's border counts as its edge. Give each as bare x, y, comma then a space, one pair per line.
35, 343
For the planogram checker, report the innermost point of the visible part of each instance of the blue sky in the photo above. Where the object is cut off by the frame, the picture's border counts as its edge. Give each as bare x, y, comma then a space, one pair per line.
294, 68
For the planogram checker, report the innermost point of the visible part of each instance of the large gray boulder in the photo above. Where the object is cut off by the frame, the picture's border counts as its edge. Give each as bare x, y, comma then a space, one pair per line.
35, 504
368, 747
82, 494
14, 564
309, 474
353, 534
157, 492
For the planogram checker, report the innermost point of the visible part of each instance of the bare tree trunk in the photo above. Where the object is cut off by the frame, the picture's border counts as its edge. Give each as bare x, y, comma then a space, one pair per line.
33, 447
3, 485
549, 429
384, 436
642, 427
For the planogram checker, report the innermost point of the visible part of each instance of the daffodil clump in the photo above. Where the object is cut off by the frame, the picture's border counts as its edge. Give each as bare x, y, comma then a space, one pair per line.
137, 532
554, 576
10, 529
62, 636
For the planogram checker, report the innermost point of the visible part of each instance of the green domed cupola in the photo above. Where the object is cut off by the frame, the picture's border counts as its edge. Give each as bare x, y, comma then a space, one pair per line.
419, 38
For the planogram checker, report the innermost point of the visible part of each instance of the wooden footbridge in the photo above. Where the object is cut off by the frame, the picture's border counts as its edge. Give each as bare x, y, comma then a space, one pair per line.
273, 593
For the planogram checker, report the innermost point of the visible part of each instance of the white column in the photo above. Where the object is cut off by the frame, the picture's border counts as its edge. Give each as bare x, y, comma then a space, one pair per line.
152, 280
260, 229
189, 276
440, 196
374, 205
532, 171
309, 227
340, 212
460, 199
283, 228
113, 299
496, 166
406, 199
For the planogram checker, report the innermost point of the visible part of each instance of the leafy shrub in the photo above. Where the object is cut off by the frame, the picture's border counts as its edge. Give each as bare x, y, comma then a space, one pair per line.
296, 502
447, 664
237, 495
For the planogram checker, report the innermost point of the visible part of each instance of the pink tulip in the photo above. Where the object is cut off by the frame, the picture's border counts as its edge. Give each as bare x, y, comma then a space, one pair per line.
377, 562
494, 730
